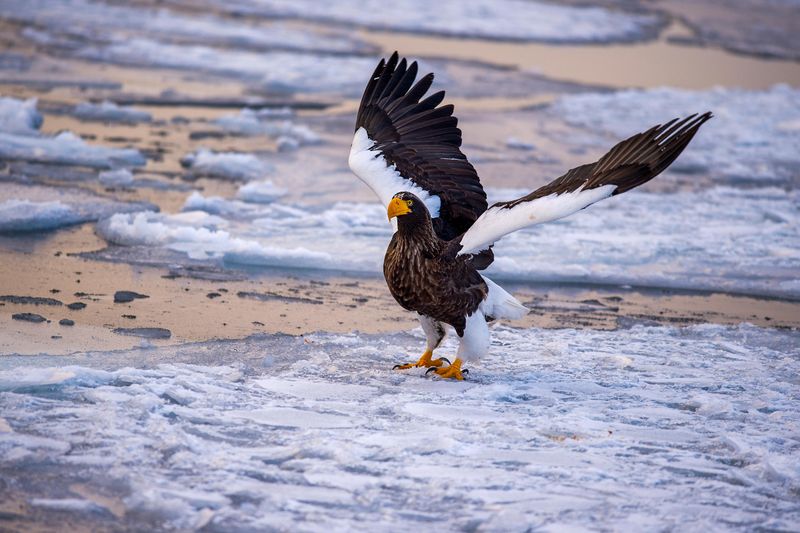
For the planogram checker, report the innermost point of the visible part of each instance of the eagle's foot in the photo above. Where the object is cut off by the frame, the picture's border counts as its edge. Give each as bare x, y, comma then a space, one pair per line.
425, 361
450, 372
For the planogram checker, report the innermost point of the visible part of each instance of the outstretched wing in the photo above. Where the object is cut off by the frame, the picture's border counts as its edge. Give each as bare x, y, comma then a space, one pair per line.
405, 143
629, 164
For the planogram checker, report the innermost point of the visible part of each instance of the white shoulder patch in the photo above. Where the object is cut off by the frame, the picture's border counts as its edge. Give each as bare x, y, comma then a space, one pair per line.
496, 222
384, 179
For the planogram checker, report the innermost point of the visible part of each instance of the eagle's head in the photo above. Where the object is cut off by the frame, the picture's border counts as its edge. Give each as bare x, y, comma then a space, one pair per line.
410, 211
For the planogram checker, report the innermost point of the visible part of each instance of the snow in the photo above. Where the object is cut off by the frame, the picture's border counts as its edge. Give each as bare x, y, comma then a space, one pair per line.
753, 137
745, 241
228, 165
492, 19
288, 134
556, 429
110, 112
19, 116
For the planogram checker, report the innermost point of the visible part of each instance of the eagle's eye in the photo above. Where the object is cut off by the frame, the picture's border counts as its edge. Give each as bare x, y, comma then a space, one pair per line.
409, 203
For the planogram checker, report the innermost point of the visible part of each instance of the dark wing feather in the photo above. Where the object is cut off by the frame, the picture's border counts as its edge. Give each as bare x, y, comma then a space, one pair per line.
630, 163
422, 140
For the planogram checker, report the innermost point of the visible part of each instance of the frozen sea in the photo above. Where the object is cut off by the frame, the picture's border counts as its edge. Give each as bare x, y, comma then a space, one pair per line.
645, 428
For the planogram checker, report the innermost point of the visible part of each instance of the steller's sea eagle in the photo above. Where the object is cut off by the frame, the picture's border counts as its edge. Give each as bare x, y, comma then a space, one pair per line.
406, 148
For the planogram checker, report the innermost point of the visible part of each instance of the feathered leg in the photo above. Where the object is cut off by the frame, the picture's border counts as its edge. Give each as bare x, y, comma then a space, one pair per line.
434, 334
473, 344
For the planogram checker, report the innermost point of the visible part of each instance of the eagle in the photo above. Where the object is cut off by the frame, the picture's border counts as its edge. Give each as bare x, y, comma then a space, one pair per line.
406, 148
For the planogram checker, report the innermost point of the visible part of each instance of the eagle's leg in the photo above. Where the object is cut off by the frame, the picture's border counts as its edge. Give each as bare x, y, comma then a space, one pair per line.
473, 343
434, 334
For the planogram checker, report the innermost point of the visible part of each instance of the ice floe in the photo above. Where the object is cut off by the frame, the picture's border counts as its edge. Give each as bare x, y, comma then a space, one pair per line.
110, 112
492, 19
260, 192
19, 116
228, 165
288, 135
22, 215
116, 178
557, 429
722, 239
36, 208
20, 139
753, 137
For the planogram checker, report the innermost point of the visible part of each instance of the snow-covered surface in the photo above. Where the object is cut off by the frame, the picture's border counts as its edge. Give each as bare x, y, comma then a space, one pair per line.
288, 134
19, 116
493, 19
110, 112
719, 239
753, 137
557, 430
118, 23
228, 165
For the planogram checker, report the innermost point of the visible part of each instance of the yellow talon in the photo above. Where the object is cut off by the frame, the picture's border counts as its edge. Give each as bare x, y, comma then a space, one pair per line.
425, 361
451, 372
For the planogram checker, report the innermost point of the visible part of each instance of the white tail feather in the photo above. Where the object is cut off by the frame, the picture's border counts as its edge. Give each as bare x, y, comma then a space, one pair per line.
500, 304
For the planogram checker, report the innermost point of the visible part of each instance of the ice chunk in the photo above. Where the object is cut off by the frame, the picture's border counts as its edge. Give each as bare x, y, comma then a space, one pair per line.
248, 122
261, 192
19, 116
68, 149
750, 138
228, 165
24, 216
110, 112
116, 178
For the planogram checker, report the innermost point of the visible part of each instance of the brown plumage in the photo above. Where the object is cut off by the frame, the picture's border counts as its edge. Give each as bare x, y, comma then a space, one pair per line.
424, 274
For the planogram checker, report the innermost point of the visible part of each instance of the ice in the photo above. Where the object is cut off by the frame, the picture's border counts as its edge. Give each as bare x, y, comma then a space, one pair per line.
697, 427
745, 241
260, 192
20, 139
228, 165
116, 178
288, 134
279, 72
493, 19
19, 116
22, 215
71, 19
753, 137
37, 208
110, 112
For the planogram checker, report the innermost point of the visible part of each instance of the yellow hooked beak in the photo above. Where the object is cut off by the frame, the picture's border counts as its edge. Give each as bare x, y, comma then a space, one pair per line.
397, 207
